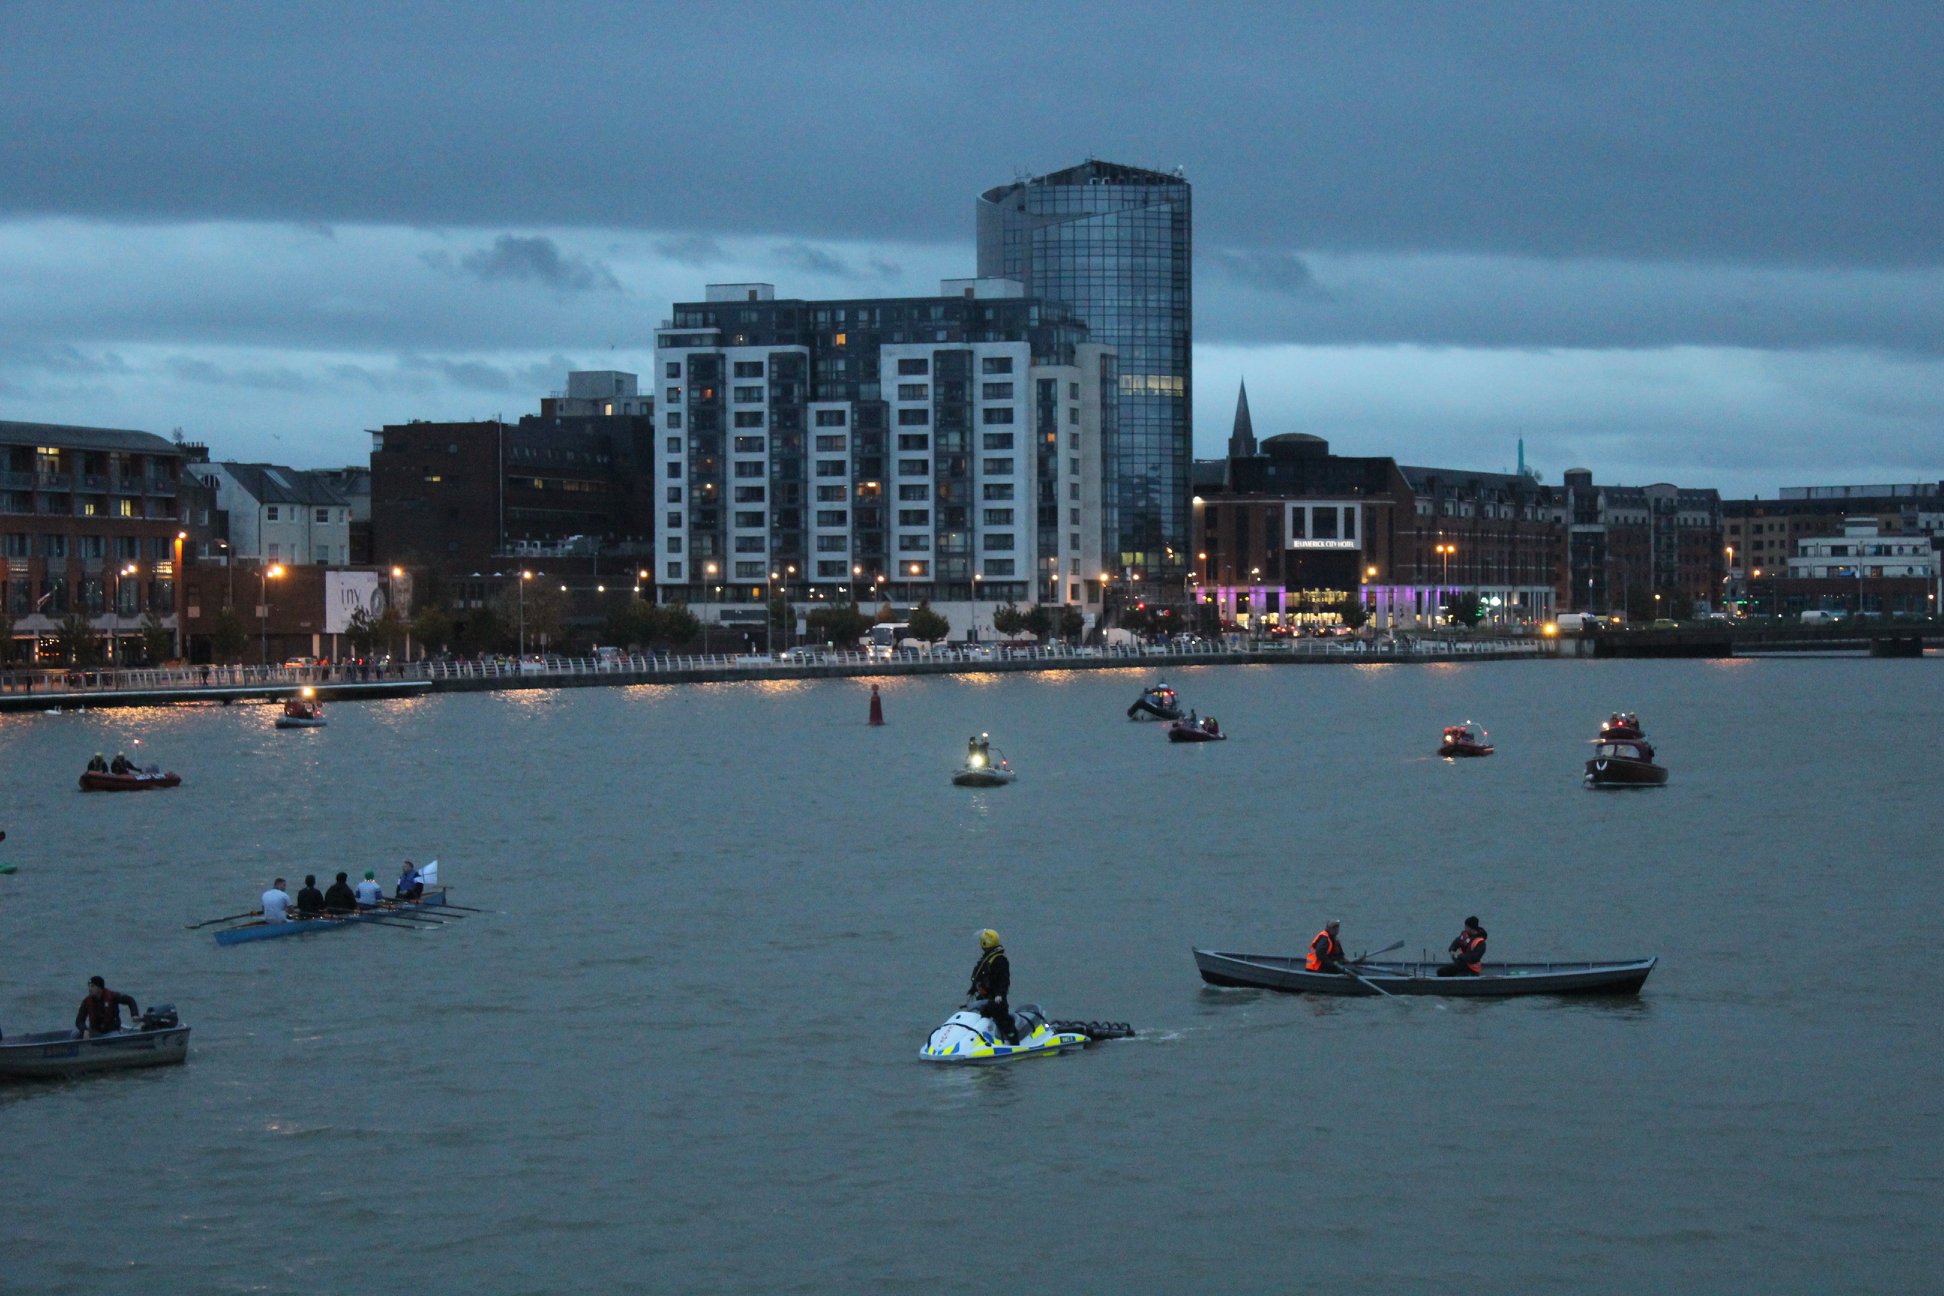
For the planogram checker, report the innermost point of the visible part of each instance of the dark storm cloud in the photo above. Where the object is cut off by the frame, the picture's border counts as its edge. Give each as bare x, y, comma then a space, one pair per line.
691, 250
532, 259
822, 263
1773, 132
1276, 272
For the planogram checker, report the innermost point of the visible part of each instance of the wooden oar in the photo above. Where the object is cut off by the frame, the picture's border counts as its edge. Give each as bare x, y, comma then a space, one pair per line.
386, 922
1365, 981
1374, 953
254, 913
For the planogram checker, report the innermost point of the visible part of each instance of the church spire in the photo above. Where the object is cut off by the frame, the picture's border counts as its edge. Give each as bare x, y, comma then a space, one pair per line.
1242, 442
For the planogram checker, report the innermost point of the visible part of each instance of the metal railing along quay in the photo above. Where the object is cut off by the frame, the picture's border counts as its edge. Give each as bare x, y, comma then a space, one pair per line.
41, 690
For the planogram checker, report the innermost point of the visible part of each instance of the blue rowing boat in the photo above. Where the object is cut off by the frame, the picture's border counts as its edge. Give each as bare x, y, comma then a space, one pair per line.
434, 898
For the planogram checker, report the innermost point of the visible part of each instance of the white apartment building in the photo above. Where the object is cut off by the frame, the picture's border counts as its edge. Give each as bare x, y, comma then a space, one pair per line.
280, 515
945, 449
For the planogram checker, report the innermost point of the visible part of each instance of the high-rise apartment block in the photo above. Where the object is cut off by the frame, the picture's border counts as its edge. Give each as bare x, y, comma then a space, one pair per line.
1115, 243
944, 448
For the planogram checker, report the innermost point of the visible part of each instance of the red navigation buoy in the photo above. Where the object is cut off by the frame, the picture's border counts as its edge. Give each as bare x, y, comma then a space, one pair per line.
877, 707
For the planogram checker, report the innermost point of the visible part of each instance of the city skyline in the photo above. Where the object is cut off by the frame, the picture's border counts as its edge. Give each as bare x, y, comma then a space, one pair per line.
1662, 245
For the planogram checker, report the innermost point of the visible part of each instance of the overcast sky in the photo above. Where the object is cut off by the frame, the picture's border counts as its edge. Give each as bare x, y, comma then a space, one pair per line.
1697, 243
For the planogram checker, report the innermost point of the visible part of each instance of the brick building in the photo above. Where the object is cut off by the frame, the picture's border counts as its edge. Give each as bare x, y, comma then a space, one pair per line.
1644, 551
88, 526
457, 497
1287, 526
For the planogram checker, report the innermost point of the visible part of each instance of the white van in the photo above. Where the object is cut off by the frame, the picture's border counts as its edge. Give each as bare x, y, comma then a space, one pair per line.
1815, 616
1575, 622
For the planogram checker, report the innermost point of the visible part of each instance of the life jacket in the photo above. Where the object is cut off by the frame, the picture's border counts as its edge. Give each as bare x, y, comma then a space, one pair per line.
104, 1013
986, 960
1471, 950
1324, 946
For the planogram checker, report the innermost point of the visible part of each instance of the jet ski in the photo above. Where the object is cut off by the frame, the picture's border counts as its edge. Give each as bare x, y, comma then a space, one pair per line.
969, 1038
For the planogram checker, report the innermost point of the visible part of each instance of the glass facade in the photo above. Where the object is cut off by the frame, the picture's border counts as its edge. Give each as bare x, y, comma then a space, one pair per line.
1114, 243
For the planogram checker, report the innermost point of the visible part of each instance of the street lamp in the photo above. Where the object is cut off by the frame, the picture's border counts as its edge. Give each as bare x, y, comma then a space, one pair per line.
114, 621
175, 582
975, 605
856, 571
264, 575
769, 613
525, 576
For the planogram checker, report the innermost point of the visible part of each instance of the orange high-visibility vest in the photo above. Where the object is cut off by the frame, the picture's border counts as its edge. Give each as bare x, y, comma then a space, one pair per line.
1471, 951
1324, 946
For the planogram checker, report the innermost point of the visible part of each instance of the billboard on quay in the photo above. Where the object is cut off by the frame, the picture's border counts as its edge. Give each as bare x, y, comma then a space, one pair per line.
344, 593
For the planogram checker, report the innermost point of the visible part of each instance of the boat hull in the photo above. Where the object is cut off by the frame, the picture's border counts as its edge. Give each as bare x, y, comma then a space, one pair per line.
1499, 980
1146, 710
300, 722
95, 781
1465, 749
257, 931
50, 1055
967, 1039
1184, 732
1618, 772
982, 777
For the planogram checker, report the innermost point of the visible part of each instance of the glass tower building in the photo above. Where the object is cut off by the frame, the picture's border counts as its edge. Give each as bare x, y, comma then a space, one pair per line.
1114, 243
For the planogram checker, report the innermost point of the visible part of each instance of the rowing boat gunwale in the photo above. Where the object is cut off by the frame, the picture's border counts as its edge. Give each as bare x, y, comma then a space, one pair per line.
434, 898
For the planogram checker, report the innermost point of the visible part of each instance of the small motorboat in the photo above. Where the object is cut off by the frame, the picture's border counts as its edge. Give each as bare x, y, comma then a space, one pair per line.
1207, 729
1622, 724
981, 768
133, 781
969, 1038
1465, 740
1498, 980
1156, 703
302, 712
157, 1039
1623, 763
981, 772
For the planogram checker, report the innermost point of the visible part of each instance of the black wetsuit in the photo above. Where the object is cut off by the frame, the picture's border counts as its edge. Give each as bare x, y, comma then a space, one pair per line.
991, 983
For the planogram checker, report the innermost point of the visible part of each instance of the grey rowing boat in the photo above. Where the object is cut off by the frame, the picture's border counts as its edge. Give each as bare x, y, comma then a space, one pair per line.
1498, 980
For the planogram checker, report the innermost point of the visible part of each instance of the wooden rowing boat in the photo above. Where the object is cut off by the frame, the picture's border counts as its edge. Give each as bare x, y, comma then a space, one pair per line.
1499, 980
434, 898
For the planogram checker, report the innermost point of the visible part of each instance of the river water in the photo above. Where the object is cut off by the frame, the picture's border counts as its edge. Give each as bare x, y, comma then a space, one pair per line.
679, 1054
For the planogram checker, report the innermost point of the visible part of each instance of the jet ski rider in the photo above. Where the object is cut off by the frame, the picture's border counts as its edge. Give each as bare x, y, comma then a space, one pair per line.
992, 982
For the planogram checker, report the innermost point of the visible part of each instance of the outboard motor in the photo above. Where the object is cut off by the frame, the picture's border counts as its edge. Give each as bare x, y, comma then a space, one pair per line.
160, 1017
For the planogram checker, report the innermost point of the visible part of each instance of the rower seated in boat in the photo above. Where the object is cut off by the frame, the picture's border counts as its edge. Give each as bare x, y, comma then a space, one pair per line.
276, 903
100, 1012
409, 885
369, 893
1467, 951
310, 901
1325, 951
340, 898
